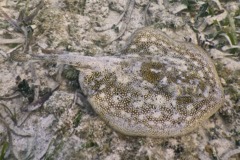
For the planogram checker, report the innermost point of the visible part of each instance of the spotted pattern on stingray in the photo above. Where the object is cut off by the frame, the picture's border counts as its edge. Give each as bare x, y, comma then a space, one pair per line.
156, 87
168, 90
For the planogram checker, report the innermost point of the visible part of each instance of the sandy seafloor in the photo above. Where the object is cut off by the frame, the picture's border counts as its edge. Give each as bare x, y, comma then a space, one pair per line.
65, 130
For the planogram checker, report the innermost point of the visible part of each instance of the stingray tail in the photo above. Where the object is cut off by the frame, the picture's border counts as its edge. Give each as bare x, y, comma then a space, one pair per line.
21, 57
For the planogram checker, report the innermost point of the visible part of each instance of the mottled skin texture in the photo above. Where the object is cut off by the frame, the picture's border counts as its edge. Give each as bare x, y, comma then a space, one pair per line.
156, 87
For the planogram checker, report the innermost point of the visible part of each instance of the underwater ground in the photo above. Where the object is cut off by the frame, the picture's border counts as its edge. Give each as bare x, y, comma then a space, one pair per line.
42, 112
